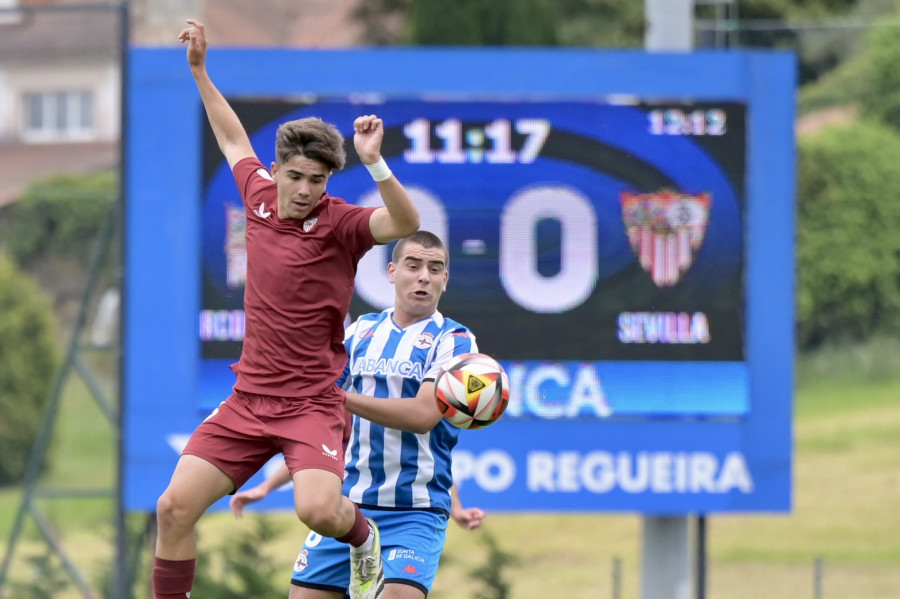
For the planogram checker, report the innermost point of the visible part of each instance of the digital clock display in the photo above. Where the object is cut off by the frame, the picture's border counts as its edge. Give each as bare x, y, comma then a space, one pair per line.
460, 142
596, 249
678, 121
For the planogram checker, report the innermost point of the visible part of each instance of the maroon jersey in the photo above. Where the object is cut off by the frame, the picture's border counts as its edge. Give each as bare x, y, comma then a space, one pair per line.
300, 277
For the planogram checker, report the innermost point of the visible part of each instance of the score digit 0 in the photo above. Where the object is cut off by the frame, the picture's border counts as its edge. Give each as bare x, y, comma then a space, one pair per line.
523, 284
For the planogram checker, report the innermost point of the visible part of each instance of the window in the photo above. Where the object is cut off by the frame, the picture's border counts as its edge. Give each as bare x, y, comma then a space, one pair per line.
59, 116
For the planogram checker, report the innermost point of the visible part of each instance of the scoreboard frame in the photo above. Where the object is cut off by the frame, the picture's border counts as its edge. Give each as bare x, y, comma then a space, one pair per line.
745, 462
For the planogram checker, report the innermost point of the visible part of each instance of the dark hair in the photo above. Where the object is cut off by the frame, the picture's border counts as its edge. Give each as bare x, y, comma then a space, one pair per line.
426, 239
311, 138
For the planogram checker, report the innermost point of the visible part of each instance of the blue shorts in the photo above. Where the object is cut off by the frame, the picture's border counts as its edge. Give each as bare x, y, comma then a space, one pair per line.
411, 546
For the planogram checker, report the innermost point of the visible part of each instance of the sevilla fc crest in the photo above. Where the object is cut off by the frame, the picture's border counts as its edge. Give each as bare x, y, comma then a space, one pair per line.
665, 230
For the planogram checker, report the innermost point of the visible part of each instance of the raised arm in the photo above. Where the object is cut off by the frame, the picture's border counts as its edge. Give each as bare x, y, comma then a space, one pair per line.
416, 414
230, 134
399, 217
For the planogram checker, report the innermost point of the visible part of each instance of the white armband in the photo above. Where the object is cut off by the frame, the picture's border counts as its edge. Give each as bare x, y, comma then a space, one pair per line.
379, 170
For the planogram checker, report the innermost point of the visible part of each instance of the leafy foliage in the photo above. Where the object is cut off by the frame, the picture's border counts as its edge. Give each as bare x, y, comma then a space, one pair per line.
28, 361
56, 217
848, 249
478, 23
599, 23
841, 87
824, 33
238, 569
880, 93
47, 579
492, 572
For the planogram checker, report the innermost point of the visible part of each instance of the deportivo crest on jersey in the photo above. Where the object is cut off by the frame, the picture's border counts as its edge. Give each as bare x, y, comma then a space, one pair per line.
424, 340
309, 224
665, 230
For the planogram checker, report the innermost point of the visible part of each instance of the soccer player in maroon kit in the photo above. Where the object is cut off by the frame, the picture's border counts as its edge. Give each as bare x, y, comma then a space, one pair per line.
303, 247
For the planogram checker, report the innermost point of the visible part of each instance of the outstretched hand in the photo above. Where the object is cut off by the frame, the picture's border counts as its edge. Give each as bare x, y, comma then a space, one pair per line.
195, 36
469, 518
240, 500
367, 137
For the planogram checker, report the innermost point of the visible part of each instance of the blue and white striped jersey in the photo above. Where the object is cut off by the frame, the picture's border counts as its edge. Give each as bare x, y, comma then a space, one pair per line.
387, 468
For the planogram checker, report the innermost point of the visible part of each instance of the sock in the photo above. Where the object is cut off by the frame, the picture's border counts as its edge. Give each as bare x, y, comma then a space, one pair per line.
359, 532
370, 542
173, 579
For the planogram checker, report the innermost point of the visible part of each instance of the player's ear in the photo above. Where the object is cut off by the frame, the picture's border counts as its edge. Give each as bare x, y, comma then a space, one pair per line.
391, 270
274, 168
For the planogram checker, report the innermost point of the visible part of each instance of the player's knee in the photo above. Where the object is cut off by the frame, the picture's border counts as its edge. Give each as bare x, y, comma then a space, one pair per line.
320, 515
172, 513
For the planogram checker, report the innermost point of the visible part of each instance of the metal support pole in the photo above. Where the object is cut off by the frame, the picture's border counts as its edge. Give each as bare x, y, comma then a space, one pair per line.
666, 568
617, 578
669, 25
700, 581
818, 575
122, 574
666, 558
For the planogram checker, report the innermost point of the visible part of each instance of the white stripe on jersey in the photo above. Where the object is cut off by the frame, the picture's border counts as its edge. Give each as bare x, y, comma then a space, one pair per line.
386, 467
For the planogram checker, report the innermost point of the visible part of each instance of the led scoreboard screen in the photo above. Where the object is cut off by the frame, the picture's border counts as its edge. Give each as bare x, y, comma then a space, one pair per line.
597, 246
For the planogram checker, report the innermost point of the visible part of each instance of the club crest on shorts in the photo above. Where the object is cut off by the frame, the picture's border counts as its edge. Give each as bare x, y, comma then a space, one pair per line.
302, 561
665, 230
309, 223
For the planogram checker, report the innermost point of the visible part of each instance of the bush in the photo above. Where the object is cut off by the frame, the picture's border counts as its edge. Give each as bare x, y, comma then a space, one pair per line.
28, 361
848, 246
492, 573
881, 83
477, 23
240, 568
46, 580
56, 217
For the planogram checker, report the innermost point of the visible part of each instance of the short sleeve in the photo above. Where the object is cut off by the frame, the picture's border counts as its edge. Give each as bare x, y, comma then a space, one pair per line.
351, 225
451, 344
252, 179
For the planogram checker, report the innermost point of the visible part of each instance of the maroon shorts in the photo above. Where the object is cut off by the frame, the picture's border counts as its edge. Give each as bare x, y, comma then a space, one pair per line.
247, 430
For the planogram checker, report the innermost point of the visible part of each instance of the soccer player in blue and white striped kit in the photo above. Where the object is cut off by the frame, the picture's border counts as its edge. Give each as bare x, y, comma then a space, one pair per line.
398, 464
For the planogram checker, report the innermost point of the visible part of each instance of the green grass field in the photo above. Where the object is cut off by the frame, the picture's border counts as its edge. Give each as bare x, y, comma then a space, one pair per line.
846, 498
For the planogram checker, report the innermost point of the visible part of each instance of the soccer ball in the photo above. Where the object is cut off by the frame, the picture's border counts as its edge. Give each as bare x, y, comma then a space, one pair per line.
472, 391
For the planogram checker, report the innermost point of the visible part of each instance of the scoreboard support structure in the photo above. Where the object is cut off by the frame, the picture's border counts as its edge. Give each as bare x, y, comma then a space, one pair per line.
666, 566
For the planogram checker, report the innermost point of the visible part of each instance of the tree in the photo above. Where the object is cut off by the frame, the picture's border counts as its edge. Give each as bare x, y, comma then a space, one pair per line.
55, 216
28, 361
600, 23
479, 23
848, 249
880, 93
